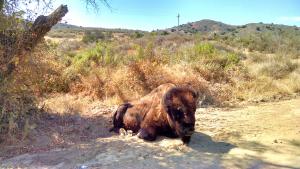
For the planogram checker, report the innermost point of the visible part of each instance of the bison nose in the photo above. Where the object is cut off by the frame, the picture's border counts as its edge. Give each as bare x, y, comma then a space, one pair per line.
189, 126
191, 130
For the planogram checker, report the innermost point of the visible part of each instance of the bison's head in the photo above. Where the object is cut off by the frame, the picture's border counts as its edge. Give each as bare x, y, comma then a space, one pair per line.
180, 105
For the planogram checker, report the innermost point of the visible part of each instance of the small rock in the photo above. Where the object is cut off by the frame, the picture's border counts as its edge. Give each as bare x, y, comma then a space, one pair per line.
129, 133
83, 167
275, 141
122, 132
141, 158
51, 117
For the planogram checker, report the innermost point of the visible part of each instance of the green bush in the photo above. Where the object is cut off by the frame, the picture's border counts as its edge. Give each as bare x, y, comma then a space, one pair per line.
82, 62
140, 52
92, 36
232, 59
153, 33
149, 50
137, 35
204, 50
164, 33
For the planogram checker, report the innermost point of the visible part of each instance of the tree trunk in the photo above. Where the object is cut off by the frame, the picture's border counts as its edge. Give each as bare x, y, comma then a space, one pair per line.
25, 43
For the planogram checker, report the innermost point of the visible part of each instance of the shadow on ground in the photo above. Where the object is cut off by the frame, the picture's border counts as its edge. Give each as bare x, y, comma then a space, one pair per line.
204, 143
56, 130
131, 152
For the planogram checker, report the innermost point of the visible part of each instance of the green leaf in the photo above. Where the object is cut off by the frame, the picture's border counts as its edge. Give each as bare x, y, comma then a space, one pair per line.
1, 4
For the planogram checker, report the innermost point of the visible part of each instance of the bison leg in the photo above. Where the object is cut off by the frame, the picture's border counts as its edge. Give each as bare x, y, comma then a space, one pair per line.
170, 134
148, 134
118, 117
186, 139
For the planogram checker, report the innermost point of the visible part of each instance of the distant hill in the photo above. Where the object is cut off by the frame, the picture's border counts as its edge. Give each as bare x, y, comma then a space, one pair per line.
211, 26
205, 25
64, 26
202, 26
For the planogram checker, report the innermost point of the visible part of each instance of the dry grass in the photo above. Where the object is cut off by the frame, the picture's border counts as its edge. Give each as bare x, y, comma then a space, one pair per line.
145, 63
253, 79
36, 75
272, 76
132, 81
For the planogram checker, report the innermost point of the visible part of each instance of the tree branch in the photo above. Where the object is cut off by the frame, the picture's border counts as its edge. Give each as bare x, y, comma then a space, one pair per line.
29, 39
41, 26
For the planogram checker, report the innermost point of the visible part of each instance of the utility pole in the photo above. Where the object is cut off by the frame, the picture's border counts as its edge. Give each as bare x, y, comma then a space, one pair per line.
178, 18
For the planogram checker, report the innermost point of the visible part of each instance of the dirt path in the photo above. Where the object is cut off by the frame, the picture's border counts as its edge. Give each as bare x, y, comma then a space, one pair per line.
261, 136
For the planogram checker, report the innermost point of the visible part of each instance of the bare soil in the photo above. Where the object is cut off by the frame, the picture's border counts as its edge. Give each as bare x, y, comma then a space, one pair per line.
259, 136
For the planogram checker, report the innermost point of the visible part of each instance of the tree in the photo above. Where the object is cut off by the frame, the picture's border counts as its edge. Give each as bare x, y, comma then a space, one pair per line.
19, 36
20, 33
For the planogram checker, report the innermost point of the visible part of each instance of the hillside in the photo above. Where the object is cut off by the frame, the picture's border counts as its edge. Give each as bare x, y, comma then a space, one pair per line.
202, 26
205, 25
211, 26
250, 35
66, 27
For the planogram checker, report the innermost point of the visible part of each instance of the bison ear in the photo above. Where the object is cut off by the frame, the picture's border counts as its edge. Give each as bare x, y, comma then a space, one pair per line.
196, 94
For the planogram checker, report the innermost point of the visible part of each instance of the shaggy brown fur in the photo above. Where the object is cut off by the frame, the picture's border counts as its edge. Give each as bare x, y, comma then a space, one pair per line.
168, 110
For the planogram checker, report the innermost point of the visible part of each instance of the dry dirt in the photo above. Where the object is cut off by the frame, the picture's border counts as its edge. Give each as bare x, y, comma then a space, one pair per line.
260, 136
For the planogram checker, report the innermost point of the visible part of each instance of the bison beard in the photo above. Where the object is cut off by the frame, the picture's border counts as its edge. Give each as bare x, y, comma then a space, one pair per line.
168, 110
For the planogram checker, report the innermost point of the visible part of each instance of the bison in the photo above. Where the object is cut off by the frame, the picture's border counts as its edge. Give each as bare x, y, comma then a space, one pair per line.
167, 110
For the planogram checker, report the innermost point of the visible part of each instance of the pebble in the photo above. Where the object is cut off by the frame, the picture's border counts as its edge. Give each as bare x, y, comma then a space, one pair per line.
83, 167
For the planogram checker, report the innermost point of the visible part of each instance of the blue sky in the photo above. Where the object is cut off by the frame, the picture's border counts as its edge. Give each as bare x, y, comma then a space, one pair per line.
159, 14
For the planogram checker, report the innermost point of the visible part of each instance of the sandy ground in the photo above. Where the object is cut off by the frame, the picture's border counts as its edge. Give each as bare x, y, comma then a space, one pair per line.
259, 136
